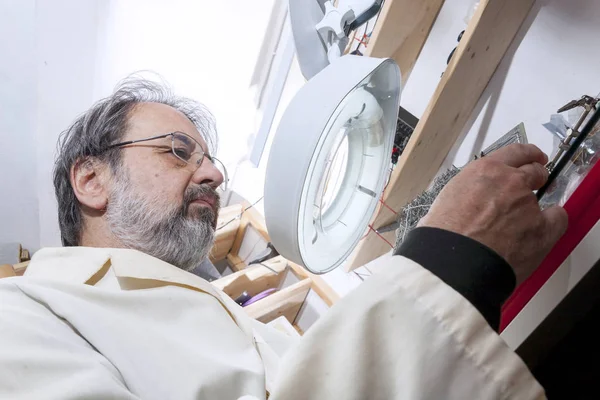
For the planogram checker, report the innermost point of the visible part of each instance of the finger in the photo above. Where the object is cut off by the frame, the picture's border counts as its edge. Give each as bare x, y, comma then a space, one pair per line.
556, 223
535, 175
516, 155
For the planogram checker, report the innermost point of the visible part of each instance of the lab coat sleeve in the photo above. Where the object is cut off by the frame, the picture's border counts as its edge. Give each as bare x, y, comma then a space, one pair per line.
43, 356
403, 334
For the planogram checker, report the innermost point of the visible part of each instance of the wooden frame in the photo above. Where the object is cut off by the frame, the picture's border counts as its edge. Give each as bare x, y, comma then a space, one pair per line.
286, 302
486, 40
227, 229
7, 270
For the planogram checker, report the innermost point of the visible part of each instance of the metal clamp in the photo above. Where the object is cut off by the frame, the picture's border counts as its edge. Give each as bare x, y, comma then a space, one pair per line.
589, 104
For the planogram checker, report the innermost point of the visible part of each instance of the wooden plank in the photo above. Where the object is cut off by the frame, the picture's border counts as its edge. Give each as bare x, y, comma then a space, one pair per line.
318, 284
401, 31
235, 262
239, 236
21, 267
286, 302
6, 271
254, 279
227, 227
486, 40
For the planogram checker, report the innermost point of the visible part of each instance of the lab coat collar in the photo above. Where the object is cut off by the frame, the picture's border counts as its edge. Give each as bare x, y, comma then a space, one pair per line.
132, 269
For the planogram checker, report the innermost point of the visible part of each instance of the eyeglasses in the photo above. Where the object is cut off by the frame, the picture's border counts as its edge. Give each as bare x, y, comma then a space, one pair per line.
186, 149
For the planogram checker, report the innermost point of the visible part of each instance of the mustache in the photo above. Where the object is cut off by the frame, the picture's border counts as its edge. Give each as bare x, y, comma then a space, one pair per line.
195, 192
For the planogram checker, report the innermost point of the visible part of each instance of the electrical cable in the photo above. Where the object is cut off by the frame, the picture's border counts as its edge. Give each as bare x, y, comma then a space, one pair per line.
570, 152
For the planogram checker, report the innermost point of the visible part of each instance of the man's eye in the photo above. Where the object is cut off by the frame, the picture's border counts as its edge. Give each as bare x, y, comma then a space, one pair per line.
184, 154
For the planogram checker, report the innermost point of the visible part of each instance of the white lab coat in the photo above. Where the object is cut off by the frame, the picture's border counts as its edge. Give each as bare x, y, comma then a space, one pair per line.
89, 323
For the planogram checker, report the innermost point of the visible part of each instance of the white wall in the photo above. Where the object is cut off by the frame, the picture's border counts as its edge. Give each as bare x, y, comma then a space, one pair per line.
18, 199
205, 49
66, 59
60, 56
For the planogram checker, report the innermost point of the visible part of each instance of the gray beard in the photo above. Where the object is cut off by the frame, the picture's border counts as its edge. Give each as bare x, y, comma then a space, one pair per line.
170, 234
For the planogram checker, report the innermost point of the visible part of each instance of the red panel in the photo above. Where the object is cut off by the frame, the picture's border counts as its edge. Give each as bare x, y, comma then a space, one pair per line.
583, 208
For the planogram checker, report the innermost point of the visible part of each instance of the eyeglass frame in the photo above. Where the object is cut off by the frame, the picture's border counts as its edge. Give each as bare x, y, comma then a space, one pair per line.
172, 134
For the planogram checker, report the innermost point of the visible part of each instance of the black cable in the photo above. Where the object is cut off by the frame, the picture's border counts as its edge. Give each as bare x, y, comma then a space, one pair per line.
570, 152
375, 9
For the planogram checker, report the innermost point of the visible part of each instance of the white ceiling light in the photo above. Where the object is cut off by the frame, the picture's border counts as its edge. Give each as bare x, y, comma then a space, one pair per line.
330, 157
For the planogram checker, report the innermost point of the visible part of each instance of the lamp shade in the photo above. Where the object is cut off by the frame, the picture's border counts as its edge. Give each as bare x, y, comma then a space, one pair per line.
330, 159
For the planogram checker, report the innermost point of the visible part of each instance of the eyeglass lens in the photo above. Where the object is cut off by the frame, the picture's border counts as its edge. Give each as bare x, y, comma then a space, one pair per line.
187, 150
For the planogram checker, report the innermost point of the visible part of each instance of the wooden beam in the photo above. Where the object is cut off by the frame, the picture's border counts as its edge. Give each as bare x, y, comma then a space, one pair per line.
235, 262
286, 302
21, 267
401, 31
486, 40
227, 227
239, 236
6, 271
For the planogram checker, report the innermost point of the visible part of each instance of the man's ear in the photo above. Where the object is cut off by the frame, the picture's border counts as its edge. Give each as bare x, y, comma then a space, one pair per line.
90, 183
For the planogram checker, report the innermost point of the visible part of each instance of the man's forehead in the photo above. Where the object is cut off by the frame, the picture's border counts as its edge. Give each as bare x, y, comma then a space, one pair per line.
150, 119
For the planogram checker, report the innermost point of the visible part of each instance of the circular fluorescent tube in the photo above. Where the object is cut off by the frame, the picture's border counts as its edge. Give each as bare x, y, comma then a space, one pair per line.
329, 161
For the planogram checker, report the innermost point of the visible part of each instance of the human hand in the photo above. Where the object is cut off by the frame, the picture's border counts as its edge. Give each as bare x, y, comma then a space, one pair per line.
492, 201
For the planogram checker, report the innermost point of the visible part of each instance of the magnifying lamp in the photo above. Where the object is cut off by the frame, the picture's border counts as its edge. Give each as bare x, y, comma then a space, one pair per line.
332, 150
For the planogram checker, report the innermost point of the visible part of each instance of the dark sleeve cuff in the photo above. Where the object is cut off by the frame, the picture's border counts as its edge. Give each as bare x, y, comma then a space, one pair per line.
472, 269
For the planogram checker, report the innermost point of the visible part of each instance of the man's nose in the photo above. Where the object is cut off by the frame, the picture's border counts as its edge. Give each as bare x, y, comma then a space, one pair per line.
208, 173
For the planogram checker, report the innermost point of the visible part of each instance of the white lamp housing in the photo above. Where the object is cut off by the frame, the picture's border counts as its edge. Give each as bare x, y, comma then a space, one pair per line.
330, 159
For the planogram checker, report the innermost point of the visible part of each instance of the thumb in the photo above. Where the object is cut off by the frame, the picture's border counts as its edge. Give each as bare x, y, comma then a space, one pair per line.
556, 223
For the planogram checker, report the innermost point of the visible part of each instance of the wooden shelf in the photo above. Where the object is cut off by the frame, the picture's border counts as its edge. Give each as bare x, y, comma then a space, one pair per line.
291, 280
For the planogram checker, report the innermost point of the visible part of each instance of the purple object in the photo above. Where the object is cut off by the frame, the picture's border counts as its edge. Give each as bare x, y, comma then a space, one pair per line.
259, 296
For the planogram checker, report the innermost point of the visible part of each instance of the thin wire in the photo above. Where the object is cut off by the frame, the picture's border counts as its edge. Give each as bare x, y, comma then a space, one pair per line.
359, 276
267, 267
383, 192
240, 215
386, 206
253, 248
362, 37
383, 202
363, 276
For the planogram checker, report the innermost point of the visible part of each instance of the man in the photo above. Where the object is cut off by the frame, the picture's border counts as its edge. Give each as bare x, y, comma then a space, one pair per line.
117, 315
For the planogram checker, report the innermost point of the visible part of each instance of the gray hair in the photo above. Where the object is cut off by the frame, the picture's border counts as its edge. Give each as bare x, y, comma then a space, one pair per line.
104, 124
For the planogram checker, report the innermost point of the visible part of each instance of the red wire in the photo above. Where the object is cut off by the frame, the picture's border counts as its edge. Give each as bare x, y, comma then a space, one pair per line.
388, 207
361, 40
380, 236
